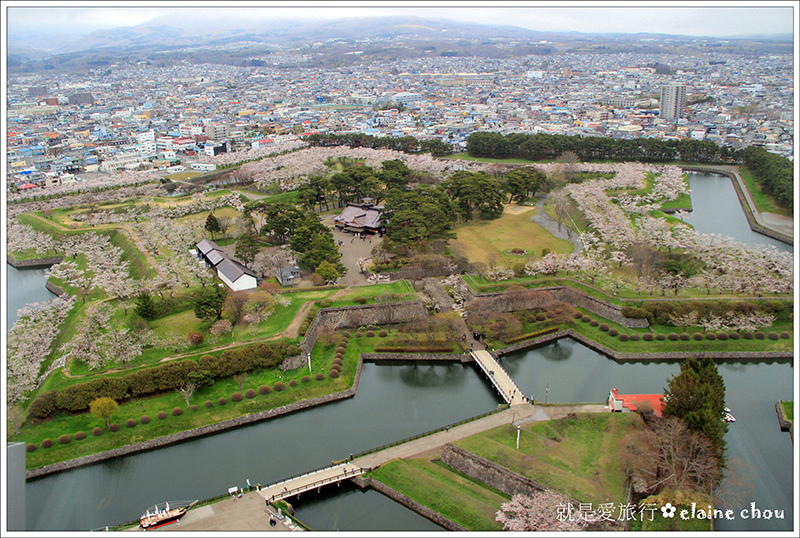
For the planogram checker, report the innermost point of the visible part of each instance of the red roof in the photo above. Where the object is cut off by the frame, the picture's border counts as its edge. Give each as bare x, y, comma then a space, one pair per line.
631, 401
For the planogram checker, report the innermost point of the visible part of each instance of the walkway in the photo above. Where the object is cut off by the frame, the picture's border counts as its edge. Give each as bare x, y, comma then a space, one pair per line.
499, 378
308, 481
548, 223
246, 513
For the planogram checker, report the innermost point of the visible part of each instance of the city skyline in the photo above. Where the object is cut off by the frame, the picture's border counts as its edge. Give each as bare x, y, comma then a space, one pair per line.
679, 18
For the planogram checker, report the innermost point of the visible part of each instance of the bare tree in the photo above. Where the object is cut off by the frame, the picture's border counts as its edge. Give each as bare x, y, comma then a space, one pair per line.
240, 380
186, 389
234, 305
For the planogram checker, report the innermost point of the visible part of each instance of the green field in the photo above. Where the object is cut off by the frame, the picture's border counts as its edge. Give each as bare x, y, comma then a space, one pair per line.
576, 456
458, 498
788, 410
477, 240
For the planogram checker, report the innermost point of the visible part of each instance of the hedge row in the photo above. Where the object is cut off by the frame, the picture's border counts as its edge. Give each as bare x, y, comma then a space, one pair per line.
534, 334
414, 349
162, 378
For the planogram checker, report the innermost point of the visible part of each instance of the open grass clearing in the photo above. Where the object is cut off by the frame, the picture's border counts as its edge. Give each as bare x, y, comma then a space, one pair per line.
788, 410
480, 239
459, 499
577, 455
764, 202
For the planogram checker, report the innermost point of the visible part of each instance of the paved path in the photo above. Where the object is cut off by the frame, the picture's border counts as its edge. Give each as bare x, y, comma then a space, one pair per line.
499, 378
515, 415
246, 513
548, 223
352, 249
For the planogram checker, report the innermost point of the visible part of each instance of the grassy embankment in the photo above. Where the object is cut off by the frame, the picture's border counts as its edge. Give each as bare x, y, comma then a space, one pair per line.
578, 456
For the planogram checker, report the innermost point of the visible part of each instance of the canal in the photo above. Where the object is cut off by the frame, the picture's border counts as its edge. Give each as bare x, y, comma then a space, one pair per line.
395, 401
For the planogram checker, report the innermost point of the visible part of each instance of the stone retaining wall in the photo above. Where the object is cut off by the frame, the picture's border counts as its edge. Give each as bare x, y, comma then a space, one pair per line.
669, 355
363, 315
785, 423
198, 432
416, 357
37, 263
493, 475
54, 289
579, 299
409, 503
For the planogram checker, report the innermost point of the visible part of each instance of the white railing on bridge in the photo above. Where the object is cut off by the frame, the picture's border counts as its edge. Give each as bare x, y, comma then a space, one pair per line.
489, 372
318, 483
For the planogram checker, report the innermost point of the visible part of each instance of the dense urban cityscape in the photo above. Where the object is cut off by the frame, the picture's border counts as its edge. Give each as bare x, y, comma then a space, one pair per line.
398, 274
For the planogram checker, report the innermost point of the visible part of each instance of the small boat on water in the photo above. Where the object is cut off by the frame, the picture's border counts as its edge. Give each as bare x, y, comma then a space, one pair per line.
728, 418
164, 514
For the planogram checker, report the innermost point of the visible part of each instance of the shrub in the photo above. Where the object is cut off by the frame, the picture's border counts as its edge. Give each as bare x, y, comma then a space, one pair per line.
279, 386
660, 337
594, 323
635, 337
292, 383
361, 300
647, 337
623, 337
64, 439
613, 332
97, 431
264, 389
145, 419
722, 336
334, 373
685, 337
370, 334
759, 335
339, 356
673, 336
772, 336
747, 335
130, 422
346, 334
383, 334
177, 411
698, 336
113, 427
358, 334
222, 401
733, 335
586, 319
540, 316
604, 327
161, 415
193, 407
80, 436
338, 361
319, 377
208, 403
30, 447
341, 348
634, 312
577, 315
336, 367
47, 443
325, 303
785, 335
236, 397
250, 393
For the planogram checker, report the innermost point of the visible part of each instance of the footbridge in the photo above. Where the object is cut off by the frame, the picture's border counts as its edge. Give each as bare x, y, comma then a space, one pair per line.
298, 484
499, 378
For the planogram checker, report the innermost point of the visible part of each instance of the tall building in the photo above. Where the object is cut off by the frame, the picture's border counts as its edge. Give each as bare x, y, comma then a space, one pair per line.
673, 101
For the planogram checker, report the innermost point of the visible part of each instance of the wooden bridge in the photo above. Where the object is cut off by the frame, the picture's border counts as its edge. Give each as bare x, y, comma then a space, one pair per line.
499, 378
298, 484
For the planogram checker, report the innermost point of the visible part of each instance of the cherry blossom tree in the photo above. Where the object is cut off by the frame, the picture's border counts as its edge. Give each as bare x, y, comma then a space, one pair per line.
545, 510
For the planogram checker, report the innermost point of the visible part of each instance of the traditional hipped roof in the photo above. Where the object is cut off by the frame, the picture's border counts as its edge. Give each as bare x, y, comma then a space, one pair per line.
360, 216
215, 257
630, 401
233, 270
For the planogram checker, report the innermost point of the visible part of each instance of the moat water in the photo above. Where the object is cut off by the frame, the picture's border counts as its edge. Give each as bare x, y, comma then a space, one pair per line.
395, 401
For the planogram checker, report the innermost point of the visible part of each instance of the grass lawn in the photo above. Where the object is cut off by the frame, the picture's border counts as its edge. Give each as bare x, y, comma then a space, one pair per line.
478, 239
401, 288
578, 457
180, 176
458, 498
788, 410
764, 202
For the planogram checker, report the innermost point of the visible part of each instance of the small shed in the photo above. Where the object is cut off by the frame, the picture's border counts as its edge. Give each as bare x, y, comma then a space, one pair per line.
288, 276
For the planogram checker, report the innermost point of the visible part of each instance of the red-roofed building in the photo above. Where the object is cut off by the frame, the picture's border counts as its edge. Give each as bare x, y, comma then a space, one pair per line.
631, 402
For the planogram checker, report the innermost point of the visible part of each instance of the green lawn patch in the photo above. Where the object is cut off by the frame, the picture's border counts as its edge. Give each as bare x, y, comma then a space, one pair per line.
456, 497
576, 456
764, 202
788, 410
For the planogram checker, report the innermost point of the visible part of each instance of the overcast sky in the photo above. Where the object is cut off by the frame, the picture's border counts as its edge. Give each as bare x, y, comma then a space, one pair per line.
682, 17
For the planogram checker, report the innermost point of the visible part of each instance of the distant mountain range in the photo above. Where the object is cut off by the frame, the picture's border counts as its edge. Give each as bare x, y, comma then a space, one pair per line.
171, 31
